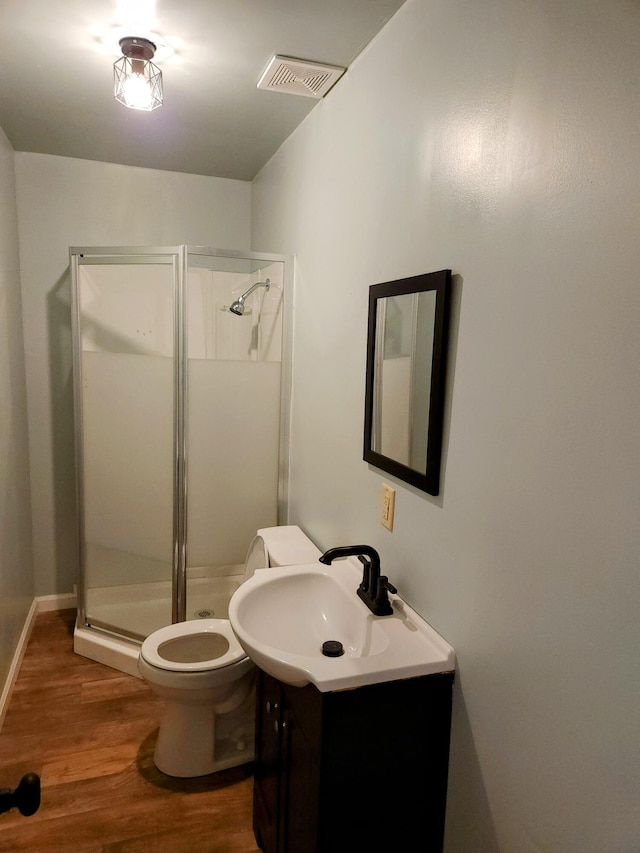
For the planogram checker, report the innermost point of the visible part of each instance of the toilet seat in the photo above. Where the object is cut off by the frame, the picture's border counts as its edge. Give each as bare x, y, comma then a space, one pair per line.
208, 644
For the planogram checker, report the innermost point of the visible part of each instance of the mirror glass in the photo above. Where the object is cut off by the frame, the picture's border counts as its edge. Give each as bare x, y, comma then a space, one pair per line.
405, 377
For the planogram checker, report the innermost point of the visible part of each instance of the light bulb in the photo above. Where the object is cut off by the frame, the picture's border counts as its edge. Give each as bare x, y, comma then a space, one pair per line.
137, 92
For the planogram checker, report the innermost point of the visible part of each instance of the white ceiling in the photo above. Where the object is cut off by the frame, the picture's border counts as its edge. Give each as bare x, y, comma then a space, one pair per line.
56, 89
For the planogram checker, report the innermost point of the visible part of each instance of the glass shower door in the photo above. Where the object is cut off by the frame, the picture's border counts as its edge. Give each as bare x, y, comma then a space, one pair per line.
233, 422
125, 310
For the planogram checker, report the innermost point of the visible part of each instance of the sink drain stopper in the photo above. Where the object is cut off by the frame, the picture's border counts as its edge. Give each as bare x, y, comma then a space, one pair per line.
332, 648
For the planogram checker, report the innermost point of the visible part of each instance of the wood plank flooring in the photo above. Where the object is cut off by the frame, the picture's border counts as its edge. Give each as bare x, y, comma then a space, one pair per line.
89, 732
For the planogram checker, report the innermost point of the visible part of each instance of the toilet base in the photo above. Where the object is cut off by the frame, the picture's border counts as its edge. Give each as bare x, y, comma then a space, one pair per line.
194, 741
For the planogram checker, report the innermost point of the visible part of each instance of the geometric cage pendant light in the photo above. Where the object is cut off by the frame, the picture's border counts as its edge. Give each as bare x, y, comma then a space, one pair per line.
137, 82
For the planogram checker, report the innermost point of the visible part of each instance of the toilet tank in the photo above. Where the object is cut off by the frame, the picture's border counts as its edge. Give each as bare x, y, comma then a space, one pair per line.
279, 546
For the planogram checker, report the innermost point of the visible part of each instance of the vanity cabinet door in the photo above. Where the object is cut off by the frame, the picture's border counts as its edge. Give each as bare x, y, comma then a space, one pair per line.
266, 793
286, 778
301, 749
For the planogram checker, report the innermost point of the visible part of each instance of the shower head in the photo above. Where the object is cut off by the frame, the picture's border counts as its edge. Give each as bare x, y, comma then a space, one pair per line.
237, 307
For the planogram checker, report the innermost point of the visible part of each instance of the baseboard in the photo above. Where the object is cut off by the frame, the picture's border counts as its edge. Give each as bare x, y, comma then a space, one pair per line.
64, 601
14, 669
40, 604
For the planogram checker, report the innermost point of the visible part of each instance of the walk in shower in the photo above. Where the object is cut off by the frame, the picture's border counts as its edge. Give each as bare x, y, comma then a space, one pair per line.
181, 389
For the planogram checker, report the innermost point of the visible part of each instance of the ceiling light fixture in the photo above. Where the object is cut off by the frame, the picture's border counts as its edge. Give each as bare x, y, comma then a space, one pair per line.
137, 82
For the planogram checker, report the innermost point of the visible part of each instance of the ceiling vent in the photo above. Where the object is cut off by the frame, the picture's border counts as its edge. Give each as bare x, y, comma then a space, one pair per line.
299, 77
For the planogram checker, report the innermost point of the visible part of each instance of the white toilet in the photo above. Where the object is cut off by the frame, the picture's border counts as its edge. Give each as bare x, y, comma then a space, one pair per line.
205, 678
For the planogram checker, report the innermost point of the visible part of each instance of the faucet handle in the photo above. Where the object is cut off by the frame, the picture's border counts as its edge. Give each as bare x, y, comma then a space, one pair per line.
382, 604
386, 584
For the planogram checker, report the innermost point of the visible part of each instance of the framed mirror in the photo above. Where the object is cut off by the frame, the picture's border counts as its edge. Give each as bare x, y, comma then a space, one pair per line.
406, 355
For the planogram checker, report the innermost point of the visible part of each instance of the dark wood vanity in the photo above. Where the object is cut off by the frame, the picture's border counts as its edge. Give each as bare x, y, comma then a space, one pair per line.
352, 770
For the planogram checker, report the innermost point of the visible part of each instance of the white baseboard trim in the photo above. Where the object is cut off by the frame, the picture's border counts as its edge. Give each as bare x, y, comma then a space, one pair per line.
14, 669
64, 601
40, 604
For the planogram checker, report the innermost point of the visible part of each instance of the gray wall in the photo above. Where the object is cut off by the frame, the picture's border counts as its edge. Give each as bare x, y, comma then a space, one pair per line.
16, 566
64, 202
499, 139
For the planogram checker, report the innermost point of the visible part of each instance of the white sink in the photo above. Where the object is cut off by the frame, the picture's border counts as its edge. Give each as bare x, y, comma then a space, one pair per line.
282, 617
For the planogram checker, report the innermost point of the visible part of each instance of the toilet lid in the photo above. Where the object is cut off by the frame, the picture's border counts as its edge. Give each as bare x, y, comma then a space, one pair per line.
193, 646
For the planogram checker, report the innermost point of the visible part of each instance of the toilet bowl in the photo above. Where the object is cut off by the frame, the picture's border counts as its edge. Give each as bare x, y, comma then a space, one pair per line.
206, 680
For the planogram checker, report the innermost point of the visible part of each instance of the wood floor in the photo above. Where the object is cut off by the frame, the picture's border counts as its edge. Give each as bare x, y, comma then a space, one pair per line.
89, 732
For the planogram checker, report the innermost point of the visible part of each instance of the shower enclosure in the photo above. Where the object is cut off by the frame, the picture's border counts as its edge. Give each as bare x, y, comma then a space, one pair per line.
181, 409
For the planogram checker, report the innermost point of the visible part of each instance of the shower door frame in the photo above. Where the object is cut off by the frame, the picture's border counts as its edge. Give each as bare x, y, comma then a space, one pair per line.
178, 258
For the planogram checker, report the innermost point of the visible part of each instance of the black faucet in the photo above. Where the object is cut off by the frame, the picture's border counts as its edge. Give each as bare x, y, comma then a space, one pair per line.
374, 586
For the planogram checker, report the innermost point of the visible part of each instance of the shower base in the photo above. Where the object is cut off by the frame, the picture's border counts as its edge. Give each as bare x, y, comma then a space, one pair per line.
142, 609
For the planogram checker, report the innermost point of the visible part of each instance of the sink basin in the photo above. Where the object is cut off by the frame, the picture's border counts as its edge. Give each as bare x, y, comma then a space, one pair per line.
282, 617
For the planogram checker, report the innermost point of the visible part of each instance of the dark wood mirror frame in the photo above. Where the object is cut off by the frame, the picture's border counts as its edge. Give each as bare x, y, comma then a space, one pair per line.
427, 479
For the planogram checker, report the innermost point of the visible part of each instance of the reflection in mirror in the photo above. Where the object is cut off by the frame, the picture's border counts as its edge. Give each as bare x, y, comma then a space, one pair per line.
405, 377
403, 355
